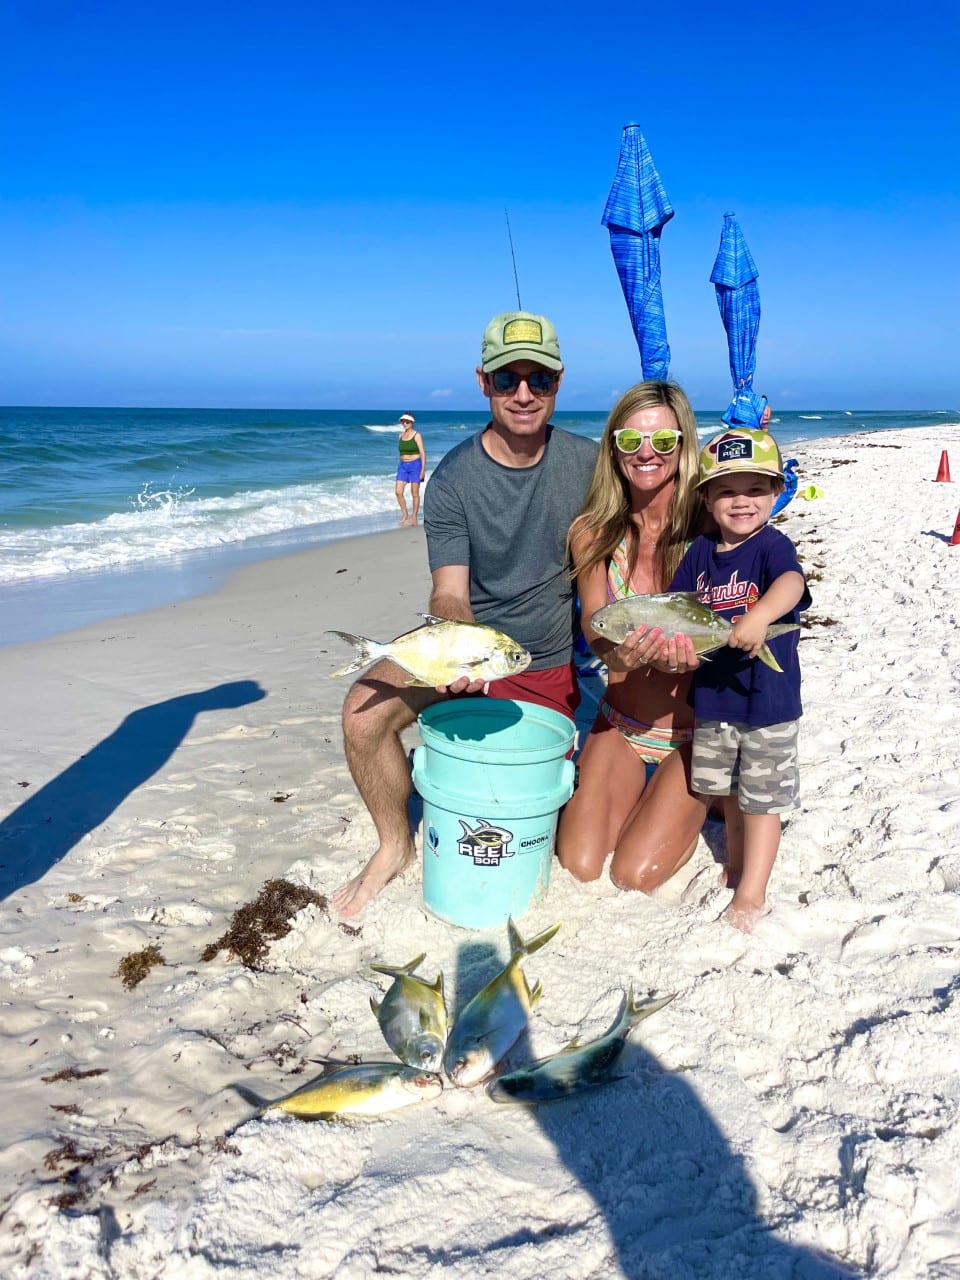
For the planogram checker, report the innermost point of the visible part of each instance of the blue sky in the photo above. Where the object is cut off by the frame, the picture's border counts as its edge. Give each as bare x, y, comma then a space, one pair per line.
302, 205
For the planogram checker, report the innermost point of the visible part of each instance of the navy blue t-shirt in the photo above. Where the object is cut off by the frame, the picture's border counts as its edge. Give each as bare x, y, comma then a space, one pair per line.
730, 685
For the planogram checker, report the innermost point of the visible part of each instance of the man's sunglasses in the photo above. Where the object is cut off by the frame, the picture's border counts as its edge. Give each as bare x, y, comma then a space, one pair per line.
629, 441
540, 382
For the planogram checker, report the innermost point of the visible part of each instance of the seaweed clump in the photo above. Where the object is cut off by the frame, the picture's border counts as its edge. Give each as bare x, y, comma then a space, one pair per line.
256, 924
133, 968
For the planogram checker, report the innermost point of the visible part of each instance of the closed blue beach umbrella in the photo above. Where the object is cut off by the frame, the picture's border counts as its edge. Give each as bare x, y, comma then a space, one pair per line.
637, 211
738, 297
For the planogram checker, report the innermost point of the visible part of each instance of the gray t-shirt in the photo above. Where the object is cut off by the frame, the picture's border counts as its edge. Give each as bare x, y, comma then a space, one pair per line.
509, 525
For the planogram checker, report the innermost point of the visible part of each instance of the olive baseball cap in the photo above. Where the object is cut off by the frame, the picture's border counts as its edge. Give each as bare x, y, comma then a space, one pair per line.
520, 335
740, 449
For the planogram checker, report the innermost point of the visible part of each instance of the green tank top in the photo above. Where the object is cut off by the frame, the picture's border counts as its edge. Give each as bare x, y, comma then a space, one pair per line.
409, 448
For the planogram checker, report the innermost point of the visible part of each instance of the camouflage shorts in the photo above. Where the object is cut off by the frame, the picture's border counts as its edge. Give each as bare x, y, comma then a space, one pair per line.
758, 764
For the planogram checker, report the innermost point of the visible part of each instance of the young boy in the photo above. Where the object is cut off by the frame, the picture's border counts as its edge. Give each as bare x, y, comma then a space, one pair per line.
745, 739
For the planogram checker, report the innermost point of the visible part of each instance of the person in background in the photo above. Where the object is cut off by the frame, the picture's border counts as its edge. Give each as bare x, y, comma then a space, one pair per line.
412, 468
745, 737
765, 419
496, 514
634, 798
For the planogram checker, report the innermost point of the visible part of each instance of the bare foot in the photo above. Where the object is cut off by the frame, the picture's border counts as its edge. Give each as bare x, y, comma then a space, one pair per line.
744, 918
404, 520
352, 896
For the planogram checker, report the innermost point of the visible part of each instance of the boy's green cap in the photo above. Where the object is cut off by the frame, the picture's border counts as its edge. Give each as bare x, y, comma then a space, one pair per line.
520, 335
740, 449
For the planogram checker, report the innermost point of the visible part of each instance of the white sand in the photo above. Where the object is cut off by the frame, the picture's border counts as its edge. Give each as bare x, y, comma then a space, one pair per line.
794, 1112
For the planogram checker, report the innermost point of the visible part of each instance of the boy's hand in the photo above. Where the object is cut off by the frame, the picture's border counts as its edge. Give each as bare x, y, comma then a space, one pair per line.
749, 632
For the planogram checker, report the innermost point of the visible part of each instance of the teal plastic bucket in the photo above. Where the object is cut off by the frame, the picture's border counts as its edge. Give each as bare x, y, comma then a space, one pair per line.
493, 775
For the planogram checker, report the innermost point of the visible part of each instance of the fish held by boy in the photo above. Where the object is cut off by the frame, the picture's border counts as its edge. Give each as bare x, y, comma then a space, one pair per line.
356, 1091
577, 1067
675, 613
412, 1016
493, 1020
441, 652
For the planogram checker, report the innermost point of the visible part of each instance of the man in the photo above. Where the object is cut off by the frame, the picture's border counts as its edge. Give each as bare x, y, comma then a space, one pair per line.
496, 514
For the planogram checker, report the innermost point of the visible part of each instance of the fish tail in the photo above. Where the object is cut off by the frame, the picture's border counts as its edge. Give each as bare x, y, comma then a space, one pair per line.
367, 651
393, 971
768, 660
781, 629
254, 1099
520, 948
640, 1011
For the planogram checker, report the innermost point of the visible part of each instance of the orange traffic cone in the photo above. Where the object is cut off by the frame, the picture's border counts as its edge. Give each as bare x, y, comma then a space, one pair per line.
943, 471
955, 540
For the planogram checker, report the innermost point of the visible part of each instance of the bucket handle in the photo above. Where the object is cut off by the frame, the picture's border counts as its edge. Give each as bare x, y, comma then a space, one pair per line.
569, 776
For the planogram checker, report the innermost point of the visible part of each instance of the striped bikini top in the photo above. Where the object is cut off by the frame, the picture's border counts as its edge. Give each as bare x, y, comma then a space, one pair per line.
618, 583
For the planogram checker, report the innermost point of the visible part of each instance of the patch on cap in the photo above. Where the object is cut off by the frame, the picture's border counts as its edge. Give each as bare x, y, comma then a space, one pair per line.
735, 451
523, 330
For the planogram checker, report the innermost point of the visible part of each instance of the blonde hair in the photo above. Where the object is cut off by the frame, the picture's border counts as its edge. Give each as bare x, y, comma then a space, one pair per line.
605, 519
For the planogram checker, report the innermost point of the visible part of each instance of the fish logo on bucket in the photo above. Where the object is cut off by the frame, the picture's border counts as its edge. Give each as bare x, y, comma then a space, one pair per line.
486, 845
433, 839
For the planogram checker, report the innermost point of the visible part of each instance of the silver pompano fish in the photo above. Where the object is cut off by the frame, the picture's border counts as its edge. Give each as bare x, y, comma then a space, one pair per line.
578, 1066
495, 1017
676, 612
413, 1016
441, 652
367, 1089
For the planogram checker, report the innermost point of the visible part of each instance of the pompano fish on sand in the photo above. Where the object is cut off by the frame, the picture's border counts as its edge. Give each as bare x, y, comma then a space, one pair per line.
413, 1016
578, 1066
493, 1020
676, 612
441, 652
367, 1089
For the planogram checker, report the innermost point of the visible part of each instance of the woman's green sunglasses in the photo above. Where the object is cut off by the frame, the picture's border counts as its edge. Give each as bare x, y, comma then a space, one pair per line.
629, 441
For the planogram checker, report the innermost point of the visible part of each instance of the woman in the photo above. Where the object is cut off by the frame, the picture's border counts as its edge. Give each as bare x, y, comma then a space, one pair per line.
412, 468
641, 511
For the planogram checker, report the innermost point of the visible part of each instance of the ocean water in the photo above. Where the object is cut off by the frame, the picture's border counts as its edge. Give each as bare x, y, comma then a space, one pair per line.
106, 511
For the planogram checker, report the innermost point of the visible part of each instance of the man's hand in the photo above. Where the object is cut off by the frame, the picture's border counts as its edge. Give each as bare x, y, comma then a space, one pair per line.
463, 684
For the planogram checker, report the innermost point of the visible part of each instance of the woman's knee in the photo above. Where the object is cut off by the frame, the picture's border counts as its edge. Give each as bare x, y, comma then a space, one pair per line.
633, 878
583, 864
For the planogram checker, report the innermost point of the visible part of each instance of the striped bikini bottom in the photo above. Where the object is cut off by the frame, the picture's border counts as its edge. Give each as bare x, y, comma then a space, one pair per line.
650, 743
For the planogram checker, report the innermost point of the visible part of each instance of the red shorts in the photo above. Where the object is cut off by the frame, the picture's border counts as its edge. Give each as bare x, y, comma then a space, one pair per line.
554, 687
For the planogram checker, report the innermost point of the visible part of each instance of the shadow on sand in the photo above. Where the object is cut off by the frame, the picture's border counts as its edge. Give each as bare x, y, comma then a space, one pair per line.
35, 836
676, 1200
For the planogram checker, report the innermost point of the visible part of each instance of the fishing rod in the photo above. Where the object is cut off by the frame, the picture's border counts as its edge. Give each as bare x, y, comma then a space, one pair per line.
514, 258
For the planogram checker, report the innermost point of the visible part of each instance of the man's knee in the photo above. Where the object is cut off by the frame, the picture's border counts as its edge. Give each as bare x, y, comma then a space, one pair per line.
375, 704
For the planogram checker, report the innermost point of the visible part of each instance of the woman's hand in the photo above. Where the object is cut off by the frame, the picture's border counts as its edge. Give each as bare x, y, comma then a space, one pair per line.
650, 647
677, 656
